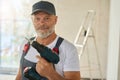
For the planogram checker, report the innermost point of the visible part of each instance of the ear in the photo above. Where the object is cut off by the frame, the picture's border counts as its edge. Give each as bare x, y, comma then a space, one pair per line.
56, 17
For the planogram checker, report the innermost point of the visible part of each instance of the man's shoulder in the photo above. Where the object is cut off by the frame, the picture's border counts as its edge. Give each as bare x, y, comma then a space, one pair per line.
68, 44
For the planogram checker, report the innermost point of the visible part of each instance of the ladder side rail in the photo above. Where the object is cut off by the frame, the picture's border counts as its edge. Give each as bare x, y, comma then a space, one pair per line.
88, 31
80, 29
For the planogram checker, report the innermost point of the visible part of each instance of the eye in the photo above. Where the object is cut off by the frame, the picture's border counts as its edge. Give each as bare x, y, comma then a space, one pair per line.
47, 19
37, 19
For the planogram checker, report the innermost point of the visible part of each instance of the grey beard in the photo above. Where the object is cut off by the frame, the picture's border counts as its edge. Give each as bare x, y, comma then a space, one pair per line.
45, 35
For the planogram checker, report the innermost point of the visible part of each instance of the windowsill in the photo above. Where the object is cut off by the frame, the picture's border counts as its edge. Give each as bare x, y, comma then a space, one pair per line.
4, 70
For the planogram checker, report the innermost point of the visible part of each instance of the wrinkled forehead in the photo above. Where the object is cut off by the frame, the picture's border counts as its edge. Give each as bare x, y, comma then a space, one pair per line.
43, 14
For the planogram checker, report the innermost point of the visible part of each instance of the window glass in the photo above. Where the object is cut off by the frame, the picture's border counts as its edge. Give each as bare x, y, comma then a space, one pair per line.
15, 24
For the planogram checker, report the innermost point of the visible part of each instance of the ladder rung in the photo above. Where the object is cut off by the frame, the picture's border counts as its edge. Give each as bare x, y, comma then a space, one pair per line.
78, 45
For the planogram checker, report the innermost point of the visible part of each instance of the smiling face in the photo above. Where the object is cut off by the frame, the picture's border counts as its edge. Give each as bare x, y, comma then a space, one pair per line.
44, 24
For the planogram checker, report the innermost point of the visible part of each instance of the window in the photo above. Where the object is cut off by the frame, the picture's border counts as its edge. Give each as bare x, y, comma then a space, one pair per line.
15, 24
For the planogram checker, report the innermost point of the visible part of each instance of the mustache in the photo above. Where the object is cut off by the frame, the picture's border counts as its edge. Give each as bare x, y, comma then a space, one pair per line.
42, 27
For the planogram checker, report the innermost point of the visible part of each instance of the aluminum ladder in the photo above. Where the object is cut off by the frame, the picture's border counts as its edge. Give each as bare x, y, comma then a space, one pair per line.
86, 31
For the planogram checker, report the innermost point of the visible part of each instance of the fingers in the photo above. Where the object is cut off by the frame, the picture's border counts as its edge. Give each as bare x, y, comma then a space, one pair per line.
38, 57
43, 67
41, 60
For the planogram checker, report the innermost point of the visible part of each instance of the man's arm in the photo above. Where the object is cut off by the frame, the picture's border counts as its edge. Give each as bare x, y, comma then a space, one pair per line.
72, 75
18, 76
68, 75
46, 69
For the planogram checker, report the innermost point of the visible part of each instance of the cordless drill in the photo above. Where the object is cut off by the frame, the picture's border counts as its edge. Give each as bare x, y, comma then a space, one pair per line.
47, 54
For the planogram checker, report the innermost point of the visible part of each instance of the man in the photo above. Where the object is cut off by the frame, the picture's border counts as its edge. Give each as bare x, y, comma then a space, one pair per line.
44, 19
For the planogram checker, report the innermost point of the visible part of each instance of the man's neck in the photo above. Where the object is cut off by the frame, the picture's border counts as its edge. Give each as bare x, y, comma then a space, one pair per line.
48, 40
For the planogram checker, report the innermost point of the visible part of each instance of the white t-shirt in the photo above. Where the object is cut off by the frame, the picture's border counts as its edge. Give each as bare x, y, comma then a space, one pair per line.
68, 54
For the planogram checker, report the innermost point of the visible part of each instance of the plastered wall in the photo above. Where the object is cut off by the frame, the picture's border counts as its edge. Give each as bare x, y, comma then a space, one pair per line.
70, 15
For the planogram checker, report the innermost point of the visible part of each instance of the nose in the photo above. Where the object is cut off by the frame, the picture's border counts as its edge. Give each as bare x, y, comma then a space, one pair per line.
41, 22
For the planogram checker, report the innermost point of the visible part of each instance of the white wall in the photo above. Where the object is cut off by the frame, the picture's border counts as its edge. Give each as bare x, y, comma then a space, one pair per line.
119, 58
114, 42
70, 15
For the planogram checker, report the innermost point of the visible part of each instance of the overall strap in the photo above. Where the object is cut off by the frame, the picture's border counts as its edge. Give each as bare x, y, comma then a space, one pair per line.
27, 46
58, 43
56, 47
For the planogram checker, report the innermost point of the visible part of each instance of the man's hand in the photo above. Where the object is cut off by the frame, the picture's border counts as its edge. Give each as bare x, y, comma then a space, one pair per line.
43, 67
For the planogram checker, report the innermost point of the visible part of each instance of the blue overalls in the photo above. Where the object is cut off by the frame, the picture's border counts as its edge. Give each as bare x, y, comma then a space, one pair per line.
25, 63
